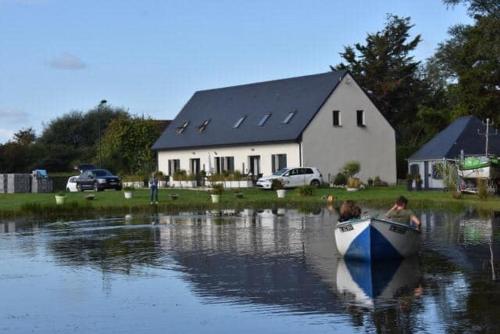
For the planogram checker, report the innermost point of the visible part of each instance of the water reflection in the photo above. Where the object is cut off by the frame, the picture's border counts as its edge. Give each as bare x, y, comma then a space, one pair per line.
277, 261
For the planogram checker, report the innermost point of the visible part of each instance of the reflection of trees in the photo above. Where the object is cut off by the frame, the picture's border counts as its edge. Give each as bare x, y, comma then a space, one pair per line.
107, 249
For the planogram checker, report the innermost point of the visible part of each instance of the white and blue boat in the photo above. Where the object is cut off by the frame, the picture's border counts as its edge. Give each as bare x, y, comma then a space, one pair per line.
372, 239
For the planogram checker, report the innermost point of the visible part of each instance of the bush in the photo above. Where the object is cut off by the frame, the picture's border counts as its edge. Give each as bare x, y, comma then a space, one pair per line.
217, 189
379, 183
482, 189
351, 168
306, 190
277, 184
340, 180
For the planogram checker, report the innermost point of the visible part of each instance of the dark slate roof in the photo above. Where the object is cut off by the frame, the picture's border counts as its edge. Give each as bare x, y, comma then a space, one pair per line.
463, 134
224, 106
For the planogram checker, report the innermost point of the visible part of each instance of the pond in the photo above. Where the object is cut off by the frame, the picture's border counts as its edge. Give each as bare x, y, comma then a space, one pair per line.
269, 271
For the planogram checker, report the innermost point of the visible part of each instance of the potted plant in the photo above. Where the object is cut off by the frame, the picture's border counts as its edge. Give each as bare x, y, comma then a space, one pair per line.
409, 182
353, 184
128, 192
277, 184
60, 198
216, 192
173, 197
418, 182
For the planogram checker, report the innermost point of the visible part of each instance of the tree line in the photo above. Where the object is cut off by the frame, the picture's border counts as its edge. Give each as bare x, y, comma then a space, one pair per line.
73, 138
419, 98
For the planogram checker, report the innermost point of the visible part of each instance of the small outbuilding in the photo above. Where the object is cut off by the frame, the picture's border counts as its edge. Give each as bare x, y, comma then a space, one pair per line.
465, 136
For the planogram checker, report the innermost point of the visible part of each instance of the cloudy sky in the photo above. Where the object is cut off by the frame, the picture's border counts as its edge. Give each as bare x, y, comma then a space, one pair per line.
150, 56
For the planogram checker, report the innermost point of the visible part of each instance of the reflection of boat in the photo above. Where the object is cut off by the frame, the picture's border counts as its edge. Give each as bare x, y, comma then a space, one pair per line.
378, 283
376, 239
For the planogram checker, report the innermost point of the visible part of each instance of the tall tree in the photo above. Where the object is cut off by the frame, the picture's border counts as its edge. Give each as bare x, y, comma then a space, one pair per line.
384, 66
25, 136
468, 64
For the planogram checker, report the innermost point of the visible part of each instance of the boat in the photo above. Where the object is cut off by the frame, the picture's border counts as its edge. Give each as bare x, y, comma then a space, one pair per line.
377, 284
470, 169
371, 239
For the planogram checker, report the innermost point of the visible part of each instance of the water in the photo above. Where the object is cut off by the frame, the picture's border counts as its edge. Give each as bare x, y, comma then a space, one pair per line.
245, 272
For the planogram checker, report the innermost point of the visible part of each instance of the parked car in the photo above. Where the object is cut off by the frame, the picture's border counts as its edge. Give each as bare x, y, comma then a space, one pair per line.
293, 177
98, 179
71, 184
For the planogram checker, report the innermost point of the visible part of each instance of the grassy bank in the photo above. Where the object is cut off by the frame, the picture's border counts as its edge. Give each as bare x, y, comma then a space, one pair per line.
108, 202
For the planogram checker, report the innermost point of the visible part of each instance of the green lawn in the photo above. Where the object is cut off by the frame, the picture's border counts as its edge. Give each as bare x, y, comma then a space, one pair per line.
114, 202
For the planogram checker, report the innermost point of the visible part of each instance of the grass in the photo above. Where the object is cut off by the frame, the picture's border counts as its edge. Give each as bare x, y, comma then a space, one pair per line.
108, 202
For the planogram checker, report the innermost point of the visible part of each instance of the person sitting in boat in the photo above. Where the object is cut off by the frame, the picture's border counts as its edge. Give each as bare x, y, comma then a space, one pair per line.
399, 213
349, 210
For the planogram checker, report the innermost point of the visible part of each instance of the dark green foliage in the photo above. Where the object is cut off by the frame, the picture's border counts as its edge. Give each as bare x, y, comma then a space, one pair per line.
482, 189
340, 180
306, 191
277, 184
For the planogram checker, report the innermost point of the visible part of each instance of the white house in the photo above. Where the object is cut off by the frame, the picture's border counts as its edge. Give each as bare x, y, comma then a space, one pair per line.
321, 120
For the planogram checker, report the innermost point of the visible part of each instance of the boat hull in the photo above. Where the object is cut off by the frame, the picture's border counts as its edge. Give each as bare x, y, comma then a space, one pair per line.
375, 239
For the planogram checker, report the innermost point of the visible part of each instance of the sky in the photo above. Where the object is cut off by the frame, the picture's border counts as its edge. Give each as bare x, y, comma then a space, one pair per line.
150, 56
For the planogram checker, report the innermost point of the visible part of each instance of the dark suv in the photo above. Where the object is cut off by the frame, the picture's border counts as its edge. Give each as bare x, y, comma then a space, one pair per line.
98, 179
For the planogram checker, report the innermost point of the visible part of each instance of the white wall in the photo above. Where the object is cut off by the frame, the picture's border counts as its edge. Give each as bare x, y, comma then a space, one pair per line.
329, 148
240, 154
432, 183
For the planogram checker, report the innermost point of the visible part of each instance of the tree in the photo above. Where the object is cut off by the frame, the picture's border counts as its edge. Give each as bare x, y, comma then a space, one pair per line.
468, 65
126, 145
385, 68
25, 136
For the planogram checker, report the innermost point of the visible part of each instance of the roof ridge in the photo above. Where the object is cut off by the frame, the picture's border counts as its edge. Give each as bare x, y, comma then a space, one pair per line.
341, 72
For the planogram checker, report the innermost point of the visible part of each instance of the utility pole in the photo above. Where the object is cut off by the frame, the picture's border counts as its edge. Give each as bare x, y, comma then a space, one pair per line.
487, 135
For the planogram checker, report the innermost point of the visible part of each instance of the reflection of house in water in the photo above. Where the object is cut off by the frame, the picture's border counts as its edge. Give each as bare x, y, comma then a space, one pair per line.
258, 257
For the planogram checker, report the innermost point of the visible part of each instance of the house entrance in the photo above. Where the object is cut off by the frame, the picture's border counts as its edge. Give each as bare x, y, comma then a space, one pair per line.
194, 165
254, 167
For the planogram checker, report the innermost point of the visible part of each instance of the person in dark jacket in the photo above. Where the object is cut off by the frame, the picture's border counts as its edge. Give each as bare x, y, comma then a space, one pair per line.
153, 189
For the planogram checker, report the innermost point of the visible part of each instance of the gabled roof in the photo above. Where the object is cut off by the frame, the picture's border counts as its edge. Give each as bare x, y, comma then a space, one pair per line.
465, 133
223, 107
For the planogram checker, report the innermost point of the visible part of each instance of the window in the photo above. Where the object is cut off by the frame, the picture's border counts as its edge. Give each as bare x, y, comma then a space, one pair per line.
336, 118
264, 119
174, 165
239, 121
437, 171
203, 125
289, 117
360, 118
180, 129
278, 161
224, 164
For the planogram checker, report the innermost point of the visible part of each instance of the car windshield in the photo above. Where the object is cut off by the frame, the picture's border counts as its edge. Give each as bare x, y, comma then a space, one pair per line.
280, 171
101, 172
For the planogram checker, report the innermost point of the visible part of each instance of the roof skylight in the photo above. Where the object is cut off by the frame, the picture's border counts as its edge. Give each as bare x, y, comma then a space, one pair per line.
264, 119
239, 121
289, 117
180, 129
203, 125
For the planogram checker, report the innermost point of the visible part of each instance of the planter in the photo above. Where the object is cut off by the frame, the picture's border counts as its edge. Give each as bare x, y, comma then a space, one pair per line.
351, 189
215, 198
238, 195
60, 199
127, 194
173, 197
281, 193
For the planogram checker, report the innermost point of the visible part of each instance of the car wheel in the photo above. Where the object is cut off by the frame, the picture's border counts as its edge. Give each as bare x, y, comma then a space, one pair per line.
315, 183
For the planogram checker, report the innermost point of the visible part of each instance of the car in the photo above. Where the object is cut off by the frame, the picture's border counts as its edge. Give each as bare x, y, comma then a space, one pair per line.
98, 180
293, 177
71, 184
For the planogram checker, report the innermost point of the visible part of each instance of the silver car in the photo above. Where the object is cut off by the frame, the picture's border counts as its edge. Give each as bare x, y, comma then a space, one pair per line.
293, 177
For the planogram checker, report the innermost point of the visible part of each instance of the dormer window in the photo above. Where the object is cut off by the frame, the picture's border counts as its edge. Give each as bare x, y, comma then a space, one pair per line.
203, 125
289, 117
180, 129
238, 122
264, 119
